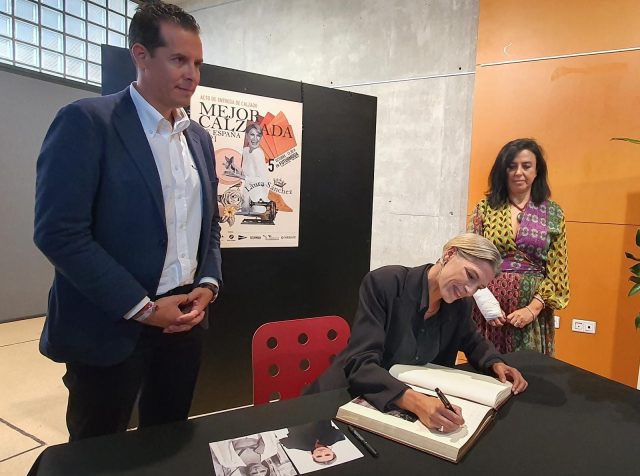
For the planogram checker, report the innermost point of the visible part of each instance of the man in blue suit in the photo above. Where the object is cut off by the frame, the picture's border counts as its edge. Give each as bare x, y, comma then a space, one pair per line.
126, 212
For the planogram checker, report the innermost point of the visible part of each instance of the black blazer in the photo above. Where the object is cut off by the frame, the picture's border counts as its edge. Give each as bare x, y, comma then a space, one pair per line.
389, 328
99, 219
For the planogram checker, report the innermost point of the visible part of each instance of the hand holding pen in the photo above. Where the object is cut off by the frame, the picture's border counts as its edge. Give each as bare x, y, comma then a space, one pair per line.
431, 411
447, 404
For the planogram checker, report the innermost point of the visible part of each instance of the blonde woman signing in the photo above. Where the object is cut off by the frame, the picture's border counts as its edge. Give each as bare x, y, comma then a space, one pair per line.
417, 316
529, 231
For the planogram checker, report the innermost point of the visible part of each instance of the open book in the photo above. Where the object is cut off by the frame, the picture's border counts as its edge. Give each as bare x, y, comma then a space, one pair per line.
477, 395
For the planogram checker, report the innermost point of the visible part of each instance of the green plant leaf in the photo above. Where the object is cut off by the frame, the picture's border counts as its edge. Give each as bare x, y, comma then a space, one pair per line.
638, 322
638, 237
635, 269
630, 256
627, 139
635, 290
634, 279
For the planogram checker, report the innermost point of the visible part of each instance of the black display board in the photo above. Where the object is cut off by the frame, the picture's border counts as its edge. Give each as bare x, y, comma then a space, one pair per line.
323, 274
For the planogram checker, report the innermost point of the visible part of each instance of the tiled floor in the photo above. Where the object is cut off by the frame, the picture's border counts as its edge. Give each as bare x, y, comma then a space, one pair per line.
33, 399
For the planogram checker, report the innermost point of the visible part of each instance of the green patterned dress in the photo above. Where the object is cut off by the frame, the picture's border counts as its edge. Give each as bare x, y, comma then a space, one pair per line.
534, 262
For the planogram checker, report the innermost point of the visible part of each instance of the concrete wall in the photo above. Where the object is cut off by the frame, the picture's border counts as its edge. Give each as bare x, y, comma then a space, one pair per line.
28, 107
416, 56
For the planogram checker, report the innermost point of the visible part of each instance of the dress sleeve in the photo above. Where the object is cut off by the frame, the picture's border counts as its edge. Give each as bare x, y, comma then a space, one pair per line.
363, 366
554, 288
476, 222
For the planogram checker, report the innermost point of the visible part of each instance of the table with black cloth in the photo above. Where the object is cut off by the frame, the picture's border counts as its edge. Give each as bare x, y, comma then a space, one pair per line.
569, 421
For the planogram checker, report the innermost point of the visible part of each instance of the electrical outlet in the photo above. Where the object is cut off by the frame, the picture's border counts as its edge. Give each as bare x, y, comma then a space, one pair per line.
556, 322
580, 325
590, 327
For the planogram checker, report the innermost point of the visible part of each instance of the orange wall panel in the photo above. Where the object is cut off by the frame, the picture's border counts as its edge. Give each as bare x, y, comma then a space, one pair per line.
573, 106
598, 272
519, 29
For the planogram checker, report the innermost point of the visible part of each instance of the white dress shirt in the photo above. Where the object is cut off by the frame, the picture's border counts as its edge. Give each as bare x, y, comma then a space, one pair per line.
181, 191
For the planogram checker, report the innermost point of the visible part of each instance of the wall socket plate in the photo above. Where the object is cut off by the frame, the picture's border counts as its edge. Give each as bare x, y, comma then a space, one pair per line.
581, 325
556, 322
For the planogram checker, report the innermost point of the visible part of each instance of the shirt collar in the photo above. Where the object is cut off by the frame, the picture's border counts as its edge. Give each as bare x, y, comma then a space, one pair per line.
152, 121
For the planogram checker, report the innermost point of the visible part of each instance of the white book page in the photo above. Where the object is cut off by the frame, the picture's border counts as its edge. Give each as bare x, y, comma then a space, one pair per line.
470, 386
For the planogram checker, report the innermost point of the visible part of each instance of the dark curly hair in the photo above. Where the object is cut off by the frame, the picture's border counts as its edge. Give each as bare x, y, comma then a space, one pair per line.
498, 193
145, 24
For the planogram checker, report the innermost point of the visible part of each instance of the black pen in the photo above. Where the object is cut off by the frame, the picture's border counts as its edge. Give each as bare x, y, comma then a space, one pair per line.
444, 400
364, 442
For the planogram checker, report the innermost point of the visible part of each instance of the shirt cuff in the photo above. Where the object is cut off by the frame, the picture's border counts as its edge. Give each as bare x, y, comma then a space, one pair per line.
135, 309
212, 281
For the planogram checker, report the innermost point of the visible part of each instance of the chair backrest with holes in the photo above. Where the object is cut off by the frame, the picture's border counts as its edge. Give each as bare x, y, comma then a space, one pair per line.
287, 356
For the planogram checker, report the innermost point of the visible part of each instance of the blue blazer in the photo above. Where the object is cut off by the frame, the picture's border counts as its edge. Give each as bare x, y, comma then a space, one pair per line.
99, 219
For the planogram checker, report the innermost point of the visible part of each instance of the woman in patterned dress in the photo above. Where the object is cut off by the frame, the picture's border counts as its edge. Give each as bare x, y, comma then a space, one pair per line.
529, 231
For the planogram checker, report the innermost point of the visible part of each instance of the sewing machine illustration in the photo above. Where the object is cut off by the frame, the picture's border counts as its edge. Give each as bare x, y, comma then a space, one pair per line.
265, 217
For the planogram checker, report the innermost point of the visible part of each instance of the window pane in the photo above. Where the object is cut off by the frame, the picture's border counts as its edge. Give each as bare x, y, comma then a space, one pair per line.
26, 32
54, 3
75, 7
95, 74
52, 40
75, 67
27, 10
76, 48
116, 22
97, 15
5, 6
93, 54
74, 26
5, 26
117, 5
52, 61
6, 48
63, 37
131, 9
27, 54
96, 34
116, 39
51, 18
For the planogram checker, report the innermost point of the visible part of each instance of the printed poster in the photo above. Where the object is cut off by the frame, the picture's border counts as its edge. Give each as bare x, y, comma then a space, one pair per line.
258, 147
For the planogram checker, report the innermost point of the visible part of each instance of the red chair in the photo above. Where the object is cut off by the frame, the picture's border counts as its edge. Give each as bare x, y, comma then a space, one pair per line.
289, 355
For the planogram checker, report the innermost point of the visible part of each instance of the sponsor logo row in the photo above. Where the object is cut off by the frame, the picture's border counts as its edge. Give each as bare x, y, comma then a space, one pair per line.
267, 237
